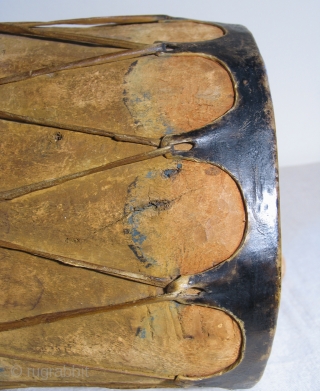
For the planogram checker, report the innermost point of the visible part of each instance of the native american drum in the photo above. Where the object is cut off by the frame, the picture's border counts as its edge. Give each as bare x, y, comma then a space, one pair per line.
138, 205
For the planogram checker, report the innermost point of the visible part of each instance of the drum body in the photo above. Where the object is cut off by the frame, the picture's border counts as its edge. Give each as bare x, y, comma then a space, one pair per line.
138, 205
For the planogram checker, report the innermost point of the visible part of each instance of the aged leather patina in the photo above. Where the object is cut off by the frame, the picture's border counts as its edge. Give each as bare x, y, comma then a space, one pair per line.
139, 205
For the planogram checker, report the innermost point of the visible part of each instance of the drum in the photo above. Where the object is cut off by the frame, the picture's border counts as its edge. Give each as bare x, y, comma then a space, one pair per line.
139, 204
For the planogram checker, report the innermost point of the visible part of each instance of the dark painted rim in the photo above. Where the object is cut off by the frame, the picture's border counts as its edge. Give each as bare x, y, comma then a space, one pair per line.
243, 143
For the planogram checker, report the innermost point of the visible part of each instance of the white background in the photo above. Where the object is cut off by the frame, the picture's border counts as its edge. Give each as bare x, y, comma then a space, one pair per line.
287, 33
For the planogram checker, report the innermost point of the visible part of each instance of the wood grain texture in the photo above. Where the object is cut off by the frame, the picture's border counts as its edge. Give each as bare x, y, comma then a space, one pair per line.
164, 339
51, 287
42, 373
20, 54
140, 217
181, 93
177, 31
159, 217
